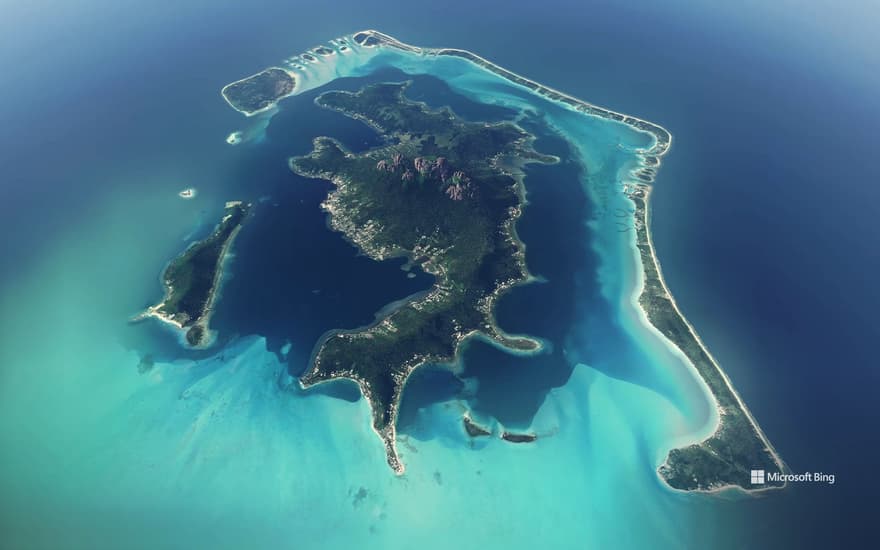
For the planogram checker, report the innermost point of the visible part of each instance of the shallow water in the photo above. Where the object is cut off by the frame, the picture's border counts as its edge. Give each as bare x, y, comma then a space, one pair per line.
228, 435
204, 450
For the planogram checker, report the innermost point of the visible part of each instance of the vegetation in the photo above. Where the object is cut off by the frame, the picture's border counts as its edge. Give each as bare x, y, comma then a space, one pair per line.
439, 195
737, 447
191, 278
259, 91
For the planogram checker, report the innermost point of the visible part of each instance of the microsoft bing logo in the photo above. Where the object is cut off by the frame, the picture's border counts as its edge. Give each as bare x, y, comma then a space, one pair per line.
757, 477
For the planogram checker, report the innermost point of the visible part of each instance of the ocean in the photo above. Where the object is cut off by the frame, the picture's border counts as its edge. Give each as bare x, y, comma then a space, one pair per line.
763, 217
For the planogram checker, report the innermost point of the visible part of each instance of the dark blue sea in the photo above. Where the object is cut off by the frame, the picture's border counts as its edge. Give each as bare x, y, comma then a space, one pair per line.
764, 219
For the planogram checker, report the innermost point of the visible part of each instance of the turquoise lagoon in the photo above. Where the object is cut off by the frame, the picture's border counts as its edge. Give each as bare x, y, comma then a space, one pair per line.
224, 449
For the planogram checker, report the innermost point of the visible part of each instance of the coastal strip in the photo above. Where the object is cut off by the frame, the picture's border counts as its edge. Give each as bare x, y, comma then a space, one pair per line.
738, 445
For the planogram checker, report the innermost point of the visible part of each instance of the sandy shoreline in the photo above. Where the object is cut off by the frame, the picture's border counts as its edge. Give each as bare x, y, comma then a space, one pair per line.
272, 104
642, 215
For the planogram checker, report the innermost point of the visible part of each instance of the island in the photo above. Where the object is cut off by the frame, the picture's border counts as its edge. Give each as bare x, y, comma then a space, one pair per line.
738, 445
188, 193
723, 460
259, 92
191, 279
518, 438
445, 194
473, 429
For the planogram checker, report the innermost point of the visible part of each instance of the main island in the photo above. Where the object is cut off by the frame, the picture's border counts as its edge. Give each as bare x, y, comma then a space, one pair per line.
446, 194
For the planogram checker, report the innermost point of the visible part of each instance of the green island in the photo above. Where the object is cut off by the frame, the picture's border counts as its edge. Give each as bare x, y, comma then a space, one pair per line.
444, 193
738, 445
473, 429
259, 92
192, 278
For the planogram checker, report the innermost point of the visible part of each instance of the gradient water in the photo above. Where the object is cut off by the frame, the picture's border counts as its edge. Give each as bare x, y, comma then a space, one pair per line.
89, 175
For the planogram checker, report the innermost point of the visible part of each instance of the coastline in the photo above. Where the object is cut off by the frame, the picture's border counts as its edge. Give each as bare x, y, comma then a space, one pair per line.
388, 435
662, 137
202, 322
271, 104
639, 193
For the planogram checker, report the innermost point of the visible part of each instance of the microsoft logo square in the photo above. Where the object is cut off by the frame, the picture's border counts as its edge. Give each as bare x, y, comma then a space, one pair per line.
757, 477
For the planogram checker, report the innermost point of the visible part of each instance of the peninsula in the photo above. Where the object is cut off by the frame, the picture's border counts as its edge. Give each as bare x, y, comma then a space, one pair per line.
192, 278
446, 194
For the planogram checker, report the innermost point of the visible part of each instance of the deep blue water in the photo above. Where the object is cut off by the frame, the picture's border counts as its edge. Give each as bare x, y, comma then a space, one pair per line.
764, 212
